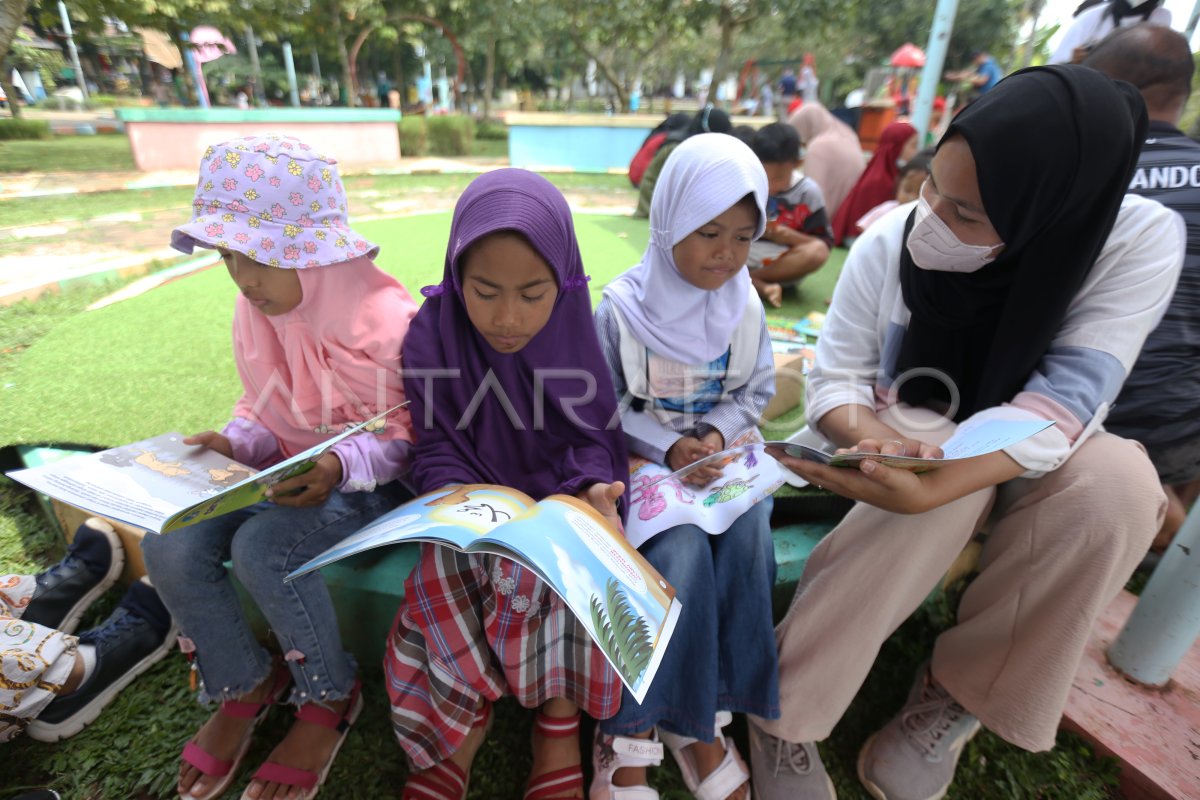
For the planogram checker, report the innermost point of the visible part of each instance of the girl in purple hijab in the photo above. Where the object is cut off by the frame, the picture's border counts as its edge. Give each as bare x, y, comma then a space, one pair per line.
508, 386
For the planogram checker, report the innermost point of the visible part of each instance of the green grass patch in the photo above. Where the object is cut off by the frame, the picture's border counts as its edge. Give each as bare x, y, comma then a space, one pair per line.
67, 154
58, 207
24, 129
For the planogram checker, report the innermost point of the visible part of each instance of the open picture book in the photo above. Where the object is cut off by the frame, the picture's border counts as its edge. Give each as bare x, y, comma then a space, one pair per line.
162, 484
623, 603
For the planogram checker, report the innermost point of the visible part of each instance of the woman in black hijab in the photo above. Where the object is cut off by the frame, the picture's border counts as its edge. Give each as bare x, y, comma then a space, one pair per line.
1019, 288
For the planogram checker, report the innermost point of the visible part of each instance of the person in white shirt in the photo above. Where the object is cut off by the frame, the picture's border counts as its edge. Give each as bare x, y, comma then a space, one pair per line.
1094, 21
1021, 285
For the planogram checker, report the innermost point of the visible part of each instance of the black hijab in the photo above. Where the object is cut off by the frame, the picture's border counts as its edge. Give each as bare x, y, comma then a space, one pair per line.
1055, 148
707, 120
1119, 9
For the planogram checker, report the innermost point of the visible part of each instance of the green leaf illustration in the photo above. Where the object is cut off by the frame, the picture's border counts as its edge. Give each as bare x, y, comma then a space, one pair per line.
631, 632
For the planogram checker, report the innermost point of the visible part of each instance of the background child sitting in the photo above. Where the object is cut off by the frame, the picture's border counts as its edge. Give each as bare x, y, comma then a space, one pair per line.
798, 236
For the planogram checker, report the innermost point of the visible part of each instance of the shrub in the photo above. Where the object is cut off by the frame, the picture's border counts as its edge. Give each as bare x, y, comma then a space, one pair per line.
490, 129
412, 136
450, 135
24, 129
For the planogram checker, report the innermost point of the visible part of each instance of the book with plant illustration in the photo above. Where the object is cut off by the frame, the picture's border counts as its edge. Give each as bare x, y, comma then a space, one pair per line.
622, 601
161, 484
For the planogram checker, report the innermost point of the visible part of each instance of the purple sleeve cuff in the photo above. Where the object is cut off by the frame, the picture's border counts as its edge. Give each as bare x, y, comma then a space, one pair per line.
368, 462
253, 444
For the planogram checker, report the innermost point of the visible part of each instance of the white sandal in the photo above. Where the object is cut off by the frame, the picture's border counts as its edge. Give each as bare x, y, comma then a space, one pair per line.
611, 753
729, 775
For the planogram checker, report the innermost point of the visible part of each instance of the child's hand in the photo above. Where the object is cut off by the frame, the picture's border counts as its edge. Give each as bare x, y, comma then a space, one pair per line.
213, 441
311, 488
604, 497
688, 450
913, 448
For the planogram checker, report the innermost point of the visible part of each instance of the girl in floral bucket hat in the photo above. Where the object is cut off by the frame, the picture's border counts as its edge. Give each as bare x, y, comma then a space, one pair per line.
317, 335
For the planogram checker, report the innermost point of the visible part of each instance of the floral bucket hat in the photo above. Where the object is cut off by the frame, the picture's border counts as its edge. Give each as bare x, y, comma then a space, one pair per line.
275, 200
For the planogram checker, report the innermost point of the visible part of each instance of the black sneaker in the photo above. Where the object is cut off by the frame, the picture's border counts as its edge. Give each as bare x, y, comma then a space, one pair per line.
92, 564
136, 636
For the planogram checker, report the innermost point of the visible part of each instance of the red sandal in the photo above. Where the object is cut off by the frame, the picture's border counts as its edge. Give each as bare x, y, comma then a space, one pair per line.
214, 767
562, 783
445, 780
307, 780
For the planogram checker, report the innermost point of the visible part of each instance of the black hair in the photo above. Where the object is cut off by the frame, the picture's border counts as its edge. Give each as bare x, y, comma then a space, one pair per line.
920, 161
1156, 60
776, 143
745, 133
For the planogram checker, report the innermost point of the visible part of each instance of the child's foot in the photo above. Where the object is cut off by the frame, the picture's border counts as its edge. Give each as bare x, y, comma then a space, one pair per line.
557, 763
224, 737
770, 293
450, 778
308, 747
707, 757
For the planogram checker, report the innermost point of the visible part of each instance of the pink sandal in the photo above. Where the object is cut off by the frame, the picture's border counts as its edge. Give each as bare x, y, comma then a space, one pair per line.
558, 783
213, 767
307, 780
445, 780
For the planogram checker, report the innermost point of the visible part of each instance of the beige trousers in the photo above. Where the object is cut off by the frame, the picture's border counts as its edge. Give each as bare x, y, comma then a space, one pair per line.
1059, 549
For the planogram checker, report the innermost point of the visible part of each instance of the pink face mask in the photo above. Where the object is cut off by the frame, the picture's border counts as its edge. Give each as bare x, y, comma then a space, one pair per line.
934, 246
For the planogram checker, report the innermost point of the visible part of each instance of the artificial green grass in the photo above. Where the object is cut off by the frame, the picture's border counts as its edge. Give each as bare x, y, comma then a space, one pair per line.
67, 154
163, 361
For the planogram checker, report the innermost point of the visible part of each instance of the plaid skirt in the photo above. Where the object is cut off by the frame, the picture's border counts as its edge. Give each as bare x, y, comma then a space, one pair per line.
482, 626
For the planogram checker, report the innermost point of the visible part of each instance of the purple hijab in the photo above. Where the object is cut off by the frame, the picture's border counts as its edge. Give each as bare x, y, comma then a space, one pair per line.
574, 447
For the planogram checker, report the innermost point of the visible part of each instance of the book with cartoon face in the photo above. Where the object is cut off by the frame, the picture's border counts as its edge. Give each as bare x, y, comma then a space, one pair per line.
623, 603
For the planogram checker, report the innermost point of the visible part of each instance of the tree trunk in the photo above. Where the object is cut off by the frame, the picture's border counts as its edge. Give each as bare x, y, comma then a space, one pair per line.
12, 14
728, 23
489, 76
343, 55
606, 70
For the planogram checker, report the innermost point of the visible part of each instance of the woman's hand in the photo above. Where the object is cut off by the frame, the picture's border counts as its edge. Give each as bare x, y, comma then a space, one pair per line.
688, 450
896, 490
311, 488
604, 498
214, 441
912, 448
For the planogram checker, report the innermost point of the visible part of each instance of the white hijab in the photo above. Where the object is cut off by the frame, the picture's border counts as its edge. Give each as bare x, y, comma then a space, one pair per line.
704, 177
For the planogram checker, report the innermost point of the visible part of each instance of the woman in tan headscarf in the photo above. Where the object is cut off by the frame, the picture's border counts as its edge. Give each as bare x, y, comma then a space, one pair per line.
833, 156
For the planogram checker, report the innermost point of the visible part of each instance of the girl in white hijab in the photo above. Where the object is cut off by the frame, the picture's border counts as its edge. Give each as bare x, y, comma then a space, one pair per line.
685, 336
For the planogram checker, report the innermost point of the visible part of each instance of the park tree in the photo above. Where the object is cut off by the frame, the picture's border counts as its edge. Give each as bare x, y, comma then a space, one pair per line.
12, 14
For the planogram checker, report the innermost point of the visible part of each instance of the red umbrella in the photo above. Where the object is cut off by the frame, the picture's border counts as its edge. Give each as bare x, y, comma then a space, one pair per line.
908, 55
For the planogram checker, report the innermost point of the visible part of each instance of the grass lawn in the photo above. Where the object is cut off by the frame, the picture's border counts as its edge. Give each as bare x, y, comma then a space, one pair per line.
107, 152
162, 361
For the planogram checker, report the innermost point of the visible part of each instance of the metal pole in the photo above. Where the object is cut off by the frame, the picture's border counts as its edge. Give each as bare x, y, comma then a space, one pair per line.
291, 74
255, 69
935, 60
1166, 621
1192, 20
193, 66
66, 23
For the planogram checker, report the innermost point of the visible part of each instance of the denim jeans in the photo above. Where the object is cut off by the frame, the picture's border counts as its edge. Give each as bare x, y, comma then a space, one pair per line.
266, 542
722, 654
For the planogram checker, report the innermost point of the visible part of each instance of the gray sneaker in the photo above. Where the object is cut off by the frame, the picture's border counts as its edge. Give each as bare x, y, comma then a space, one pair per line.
783, 770
913, 757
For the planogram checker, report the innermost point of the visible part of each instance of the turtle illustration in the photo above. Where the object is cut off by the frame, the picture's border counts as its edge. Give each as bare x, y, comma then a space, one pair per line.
728, 491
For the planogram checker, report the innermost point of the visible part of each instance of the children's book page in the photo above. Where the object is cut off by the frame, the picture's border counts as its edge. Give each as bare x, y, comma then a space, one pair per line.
141, 484
621, 601
161, 484
661, 499
625, 605
456, 516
